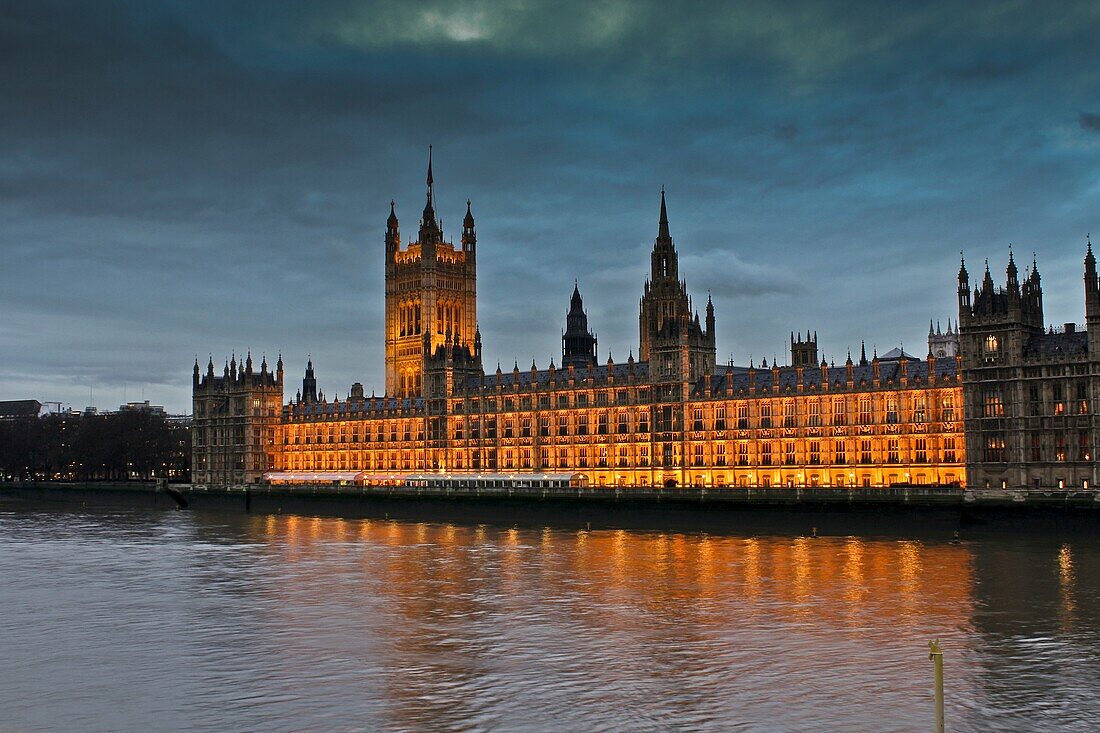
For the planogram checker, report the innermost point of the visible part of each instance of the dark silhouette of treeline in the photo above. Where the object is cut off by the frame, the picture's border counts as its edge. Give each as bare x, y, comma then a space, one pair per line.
122, 446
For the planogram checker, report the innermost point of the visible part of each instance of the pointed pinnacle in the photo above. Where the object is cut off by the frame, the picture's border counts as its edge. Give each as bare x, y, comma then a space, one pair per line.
662, 230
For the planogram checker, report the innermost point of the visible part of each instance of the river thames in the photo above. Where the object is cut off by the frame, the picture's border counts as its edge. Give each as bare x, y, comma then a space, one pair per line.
141, 620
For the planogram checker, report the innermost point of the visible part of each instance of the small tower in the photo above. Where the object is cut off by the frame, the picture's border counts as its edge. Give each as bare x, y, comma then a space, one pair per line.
995, 326
804, 353
943, 344
578, 343
393, 231
710, 321
1092, 298
469, 233
309, 384
964, 290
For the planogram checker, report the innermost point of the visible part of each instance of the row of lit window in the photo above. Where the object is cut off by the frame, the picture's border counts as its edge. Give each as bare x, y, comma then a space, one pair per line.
993, 406
890, 402
1061, 448
237, 407
580, 424
863, 452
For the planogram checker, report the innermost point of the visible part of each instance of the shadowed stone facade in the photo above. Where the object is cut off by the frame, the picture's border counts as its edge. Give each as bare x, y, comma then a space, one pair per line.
1030, 389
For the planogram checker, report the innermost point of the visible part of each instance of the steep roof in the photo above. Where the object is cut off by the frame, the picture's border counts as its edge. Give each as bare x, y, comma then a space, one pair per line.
898, 353
1075, 343
889, 371
620, 371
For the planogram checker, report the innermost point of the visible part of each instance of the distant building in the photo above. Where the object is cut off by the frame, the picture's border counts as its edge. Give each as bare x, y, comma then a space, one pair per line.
142, 407
943, 344
21, 409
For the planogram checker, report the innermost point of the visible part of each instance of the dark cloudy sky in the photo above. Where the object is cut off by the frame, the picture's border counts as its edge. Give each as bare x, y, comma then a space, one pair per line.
182, 178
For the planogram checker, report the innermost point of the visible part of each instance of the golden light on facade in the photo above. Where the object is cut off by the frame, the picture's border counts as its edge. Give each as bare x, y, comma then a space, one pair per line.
673, 418
603, 431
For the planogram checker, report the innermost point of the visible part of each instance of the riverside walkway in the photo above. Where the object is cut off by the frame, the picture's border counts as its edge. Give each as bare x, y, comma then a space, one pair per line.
761, 496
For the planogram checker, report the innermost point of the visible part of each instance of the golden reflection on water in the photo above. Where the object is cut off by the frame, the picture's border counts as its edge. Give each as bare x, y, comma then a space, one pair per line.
661, 572
309, 623
1068, 605
751, 564
909, 570
854, 589
803, 583
458, 627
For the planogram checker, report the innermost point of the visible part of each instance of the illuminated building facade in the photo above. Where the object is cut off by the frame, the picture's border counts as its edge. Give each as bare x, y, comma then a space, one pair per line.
431, 295
871, 423
673, 417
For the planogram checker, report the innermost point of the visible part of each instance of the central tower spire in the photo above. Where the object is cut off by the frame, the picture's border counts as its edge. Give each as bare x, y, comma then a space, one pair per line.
672, 338
429, 206
431, 299
662, 229
664, 265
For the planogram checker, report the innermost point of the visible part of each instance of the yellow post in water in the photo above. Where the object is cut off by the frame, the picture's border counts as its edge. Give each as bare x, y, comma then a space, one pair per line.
936, 655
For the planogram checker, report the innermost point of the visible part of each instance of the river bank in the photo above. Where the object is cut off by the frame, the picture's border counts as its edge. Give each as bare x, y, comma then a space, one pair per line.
806, 511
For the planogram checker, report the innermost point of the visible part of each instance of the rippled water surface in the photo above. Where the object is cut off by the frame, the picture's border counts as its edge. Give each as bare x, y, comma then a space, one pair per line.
156, 621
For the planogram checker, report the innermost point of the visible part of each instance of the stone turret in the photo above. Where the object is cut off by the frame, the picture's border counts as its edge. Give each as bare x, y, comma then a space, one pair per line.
578, 343
672, 337
943, 343
804, 353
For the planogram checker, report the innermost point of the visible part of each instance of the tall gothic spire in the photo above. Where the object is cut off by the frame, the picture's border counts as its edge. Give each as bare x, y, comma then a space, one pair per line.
664, 262
469, 235
429, 206
662, 230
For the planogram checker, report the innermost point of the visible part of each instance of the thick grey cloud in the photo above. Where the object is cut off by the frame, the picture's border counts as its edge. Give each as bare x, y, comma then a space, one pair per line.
187, 178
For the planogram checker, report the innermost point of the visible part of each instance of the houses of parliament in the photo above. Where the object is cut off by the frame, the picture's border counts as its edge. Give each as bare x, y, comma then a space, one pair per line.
1000, 400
